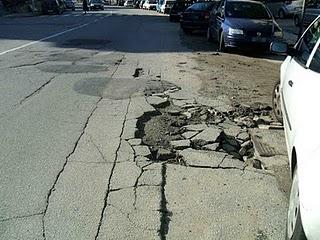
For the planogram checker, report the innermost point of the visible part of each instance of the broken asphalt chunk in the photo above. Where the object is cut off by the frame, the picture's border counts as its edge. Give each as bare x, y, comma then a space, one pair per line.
180, 144
142, 150
157, 102
164, 154
207, 136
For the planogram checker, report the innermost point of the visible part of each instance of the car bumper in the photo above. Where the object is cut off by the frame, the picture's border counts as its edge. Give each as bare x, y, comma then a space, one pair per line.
194, 25
309, 178
248, 42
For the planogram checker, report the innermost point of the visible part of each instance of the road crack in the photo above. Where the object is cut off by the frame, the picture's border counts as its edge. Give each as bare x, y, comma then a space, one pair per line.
36, 91
112, 171
27, 64
20, 217
98, 149
64, 165
136, 184
165, 214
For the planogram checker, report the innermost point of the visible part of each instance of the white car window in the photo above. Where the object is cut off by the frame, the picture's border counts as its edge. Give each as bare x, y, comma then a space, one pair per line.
307, 43
315, 63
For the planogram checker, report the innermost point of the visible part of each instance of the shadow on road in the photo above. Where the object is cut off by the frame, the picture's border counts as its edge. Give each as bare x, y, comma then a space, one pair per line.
116, 29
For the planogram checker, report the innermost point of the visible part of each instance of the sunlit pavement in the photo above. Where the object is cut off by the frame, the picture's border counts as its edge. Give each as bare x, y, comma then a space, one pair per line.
72, 91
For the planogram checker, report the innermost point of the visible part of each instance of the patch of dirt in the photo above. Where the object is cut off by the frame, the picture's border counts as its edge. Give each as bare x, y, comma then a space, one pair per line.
241, 79
159, 131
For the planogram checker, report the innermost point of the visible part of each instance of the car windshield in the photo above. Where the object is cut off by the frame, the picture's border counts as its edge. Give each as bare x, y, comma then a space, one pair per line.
246, 10
200, 6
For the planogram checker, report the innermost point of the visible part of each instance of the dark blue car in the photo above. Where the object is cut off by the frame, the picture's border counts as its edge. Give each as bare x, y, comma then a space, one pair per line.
242, 24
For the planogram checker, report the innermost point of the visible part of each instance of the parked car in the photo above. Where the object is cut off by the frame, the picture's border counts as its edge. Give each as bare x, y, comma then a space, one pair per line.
141, 3
53, 6
196, 17
166, 6
177, 9
243, 24
128, 3
150, 5
70, 4
297, 94
284, 9
312, 11
274, 6
96, 4
136, 3
159, 4
289, 8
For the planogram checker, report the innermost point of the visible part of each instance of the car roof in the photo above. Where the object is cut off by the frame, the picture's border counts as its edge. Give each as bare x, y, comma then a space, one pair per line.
211, 1
249, 1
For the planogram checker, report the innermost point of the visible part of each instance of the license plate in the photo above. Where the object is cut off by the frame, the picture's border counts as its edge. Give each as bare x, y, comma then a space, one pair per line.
259, 39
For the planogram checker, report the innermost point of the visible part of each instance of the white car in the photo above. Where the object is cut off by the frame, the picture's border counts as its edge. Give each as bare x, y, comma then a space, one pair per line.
166, 6
128, 3
298, 95
150, 5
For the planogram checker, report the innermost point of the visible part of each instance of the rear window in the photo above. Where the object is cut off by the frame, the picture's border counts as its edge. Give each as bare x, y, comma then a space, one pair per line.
247, 10
201, 6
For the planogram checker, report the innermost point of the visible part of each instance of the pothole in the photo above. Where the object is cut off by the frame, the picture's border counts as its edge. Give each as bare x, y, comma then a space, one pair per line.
119, 88
137, 72
202, 128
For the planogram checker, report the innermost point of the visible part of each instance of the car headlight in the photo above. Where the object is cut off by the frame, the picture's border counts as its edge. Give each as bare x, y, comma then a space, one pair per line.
91, 5
278, 34
235, 31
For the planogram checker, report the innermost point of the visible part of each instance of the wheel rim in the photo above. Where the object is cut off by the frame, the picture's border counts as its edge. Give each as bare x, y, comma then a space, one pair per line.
294, 207
277, 102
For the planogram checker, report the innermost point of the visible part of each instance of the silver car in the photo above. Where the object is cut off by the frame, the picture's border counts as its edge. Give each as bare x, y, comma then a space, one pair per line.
312, 11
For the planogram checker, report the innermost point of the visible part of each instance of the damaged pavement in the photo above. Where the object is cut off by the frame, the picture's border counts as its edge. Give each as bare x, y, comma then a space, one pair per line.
100, 143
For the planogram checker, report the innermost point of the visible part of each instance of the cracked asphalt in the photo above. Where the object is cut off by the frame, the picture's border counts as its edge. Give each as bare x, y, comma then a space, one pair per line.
73, 161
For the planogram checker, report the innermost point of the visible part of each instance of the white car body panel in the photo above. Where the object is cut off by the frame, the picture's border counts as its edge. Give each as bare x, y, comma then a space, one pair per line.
147, 5
300, 98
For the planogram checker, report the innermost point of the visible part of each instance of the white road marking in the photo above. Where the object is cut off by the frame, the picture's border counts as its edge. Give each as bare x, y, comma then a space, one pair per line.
49, 37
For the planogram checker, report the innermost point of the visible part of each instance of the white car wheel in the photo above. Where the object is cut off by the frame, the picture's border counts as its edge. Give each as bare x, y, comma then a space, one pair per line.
276, 102
294, 225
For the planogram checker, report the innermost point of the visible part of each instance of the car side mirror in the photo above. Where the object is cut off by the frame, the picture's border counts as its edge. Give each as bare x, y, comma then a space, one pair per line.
279, 48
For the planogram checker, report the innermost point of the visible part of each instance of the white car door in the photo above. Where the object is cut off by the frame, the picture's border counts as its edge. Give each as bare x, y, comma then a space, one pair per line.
300, 85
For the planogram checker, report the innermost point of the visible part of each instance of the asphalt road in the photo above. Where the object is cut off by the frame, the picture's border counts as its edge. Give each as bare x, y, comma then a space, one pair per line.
70, 102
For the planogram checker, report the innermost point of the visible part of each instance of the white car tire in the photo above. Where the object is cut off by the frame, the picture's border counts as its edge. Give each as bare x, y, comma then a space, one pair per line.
222, 45
276, 102
294, 225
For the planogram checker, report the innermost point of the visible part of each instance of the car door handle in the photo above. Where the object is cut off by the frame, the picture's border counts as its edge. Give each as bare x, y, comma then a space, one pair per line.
290, 83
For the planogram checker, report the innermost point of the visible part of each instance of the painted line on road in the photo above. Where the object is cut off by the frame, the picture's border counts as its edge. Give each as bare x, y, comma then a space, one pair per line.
49, 37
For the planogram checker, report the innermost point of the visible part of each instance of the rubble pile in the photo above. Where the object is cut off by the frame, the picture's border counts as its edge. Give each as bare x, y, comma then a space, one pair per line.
182, 123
